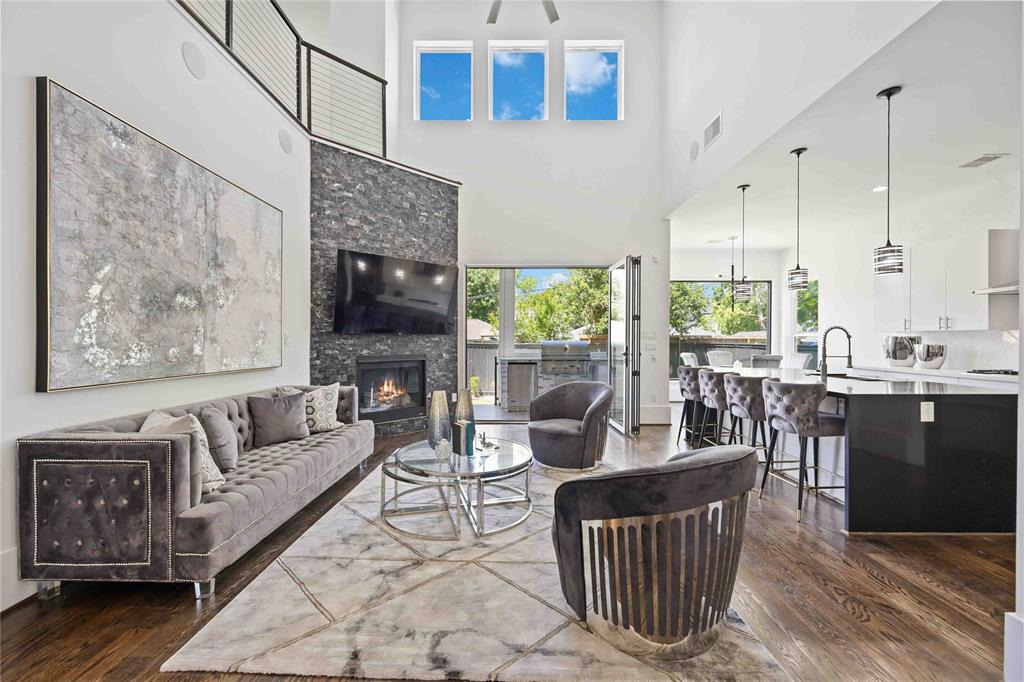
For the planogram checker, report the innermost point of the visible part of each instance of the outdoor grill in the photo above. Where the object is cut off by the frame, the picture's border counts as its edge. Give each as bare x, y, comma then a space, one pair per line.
570, 360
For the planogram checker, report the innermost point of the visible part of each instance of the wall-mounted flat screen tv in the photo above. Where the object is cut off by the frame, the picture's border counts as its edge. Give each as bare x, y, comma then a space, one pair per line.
383, 294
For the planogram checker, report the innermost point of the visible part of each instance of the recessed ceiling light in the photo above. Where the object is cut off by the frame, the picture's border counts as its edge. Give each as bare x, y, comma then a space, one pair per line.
880, 188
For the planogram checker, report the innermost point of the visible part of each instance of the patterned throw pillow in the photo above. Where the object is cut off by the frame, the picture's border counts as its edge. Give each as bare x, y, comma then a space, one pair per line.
159, 421
321, 407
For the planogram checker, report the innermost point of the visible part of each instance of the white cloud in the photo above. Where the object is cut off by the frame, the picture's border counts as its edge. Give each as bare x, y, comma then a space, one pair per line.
430, 92
557, 278
507, 112
586, 72
512, 60
538, 111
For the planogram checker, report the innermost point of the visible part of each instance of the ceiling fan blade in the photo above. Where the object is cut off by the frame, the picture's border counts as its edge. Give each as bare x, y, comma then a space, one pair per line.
549, 9
492, 17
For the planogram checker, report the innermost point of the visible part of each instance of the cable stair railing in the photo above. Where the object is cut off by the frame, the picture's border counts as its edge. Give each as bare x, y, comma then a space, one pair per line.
334, 100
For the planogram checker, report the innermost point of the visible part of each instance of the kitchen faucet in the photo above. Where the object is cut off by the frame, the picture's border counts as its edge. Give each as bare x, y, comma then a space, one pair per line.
823, 367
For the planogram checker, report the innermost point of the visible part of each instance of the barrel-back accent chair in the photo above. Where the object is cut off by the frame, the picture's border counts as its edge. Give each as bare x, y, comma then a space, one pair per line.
569, 425
654, 551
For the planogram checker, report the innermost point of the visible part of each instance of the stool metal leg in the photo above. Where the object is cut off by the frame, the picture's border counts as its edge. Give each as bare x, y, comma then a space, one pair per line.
732, 429
768, 460
682, 421
720, 418
802, 477
816, 443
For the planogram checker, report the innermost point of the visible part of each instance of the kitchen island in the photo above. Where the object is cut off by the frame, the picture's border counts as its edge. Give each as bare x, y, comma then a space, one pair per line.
921, 456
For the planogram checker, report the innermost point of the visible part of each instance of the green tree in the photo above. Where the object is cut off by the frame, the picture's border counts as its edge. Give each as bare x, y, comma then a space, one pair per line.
687, 307
482, 295
742, 316
807, 308
578, 302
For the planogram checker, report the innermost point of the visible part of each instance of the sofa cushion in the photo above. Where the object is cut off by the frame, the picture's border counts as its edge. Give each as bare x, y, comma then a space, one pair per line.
264, 479
222, 437
321, 406
278, 419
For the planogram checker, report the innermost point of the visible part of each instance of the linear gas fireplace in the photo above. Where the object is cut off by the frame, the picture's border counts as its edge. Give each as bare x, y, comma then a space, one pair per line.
391, 387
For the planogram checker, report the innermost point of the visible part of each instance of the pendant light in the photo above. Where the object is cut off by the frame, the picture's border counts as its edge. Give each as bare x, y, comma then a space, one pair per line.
743, 290
732, 271
797, 277
888, 258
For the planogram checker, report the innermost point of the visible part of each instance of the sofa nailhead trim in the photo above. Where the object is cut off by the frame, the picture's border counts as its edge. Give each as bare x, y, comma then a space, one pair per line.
149, 505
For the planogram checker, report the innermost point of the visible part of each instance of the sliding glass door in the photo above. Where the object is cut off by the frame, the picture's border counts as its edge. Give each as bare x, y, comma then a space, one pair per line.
624, 344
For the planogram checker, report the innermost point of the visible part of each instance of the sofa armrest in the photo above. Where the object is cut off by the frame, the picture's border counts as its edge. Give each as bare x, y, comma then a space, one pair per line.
101, 505
348, 404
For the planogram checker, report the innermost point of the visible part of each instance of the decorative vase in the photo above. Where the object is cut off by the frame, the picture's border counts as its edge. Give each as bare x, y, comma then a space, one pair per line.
464, 406
439, 427
930, 355
899, 350
443, 451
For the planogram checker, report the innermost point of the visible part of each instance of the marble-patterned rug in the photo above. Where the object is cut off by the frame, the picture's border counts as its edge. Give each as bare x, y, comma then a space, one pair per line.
352, 598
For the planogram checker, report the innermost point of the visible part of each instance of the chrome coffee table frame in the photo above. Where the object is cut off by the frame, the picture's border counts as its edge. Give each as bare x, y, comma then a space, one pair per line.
460, 493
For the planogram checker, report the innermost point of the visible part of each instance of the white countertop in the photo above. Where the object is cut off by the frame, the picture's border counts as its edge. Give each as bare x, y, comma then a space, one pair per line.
958, 373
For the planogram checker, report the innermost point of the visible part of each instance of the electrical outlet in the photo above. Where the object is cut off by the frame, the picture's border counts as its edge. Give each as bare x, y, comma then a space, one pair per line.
927, 412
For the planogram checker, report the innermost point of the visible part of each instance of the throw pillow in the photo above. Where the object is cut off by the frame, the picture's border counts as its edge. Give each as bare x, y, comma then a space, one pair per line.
162, 422
220, 433
321, 407
280, 419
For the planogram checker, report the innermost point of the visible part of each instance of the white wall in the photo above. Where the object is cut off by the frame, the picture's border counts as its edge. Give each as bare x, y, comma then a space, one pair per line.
554, 192
127, 58
759, 64
350, 29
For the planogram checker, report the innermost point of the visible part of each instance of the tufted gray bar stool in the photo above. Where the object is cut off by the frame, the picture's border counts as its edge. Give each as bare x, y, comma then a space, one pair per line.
712, 396
689, 388
793, 408
745, 399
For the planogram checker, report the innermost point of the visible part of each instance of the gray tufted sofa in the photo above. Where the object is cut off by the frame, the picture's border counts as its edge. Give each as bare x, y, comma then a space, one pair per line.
102, 501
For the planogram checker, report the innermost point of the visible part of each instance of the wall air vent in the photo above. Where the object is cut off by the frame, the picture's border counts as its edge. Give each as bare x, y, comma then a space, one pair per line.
983, 159
713, 131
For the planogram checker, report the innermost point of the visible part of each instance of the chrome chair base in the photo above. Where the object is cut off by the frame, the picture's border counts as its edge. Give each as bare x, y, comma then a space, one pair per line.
634, 644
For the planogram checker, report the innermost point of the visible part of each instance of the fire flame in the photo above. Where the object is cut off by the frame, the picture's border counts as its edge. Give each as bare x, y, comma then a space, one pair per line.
388, 391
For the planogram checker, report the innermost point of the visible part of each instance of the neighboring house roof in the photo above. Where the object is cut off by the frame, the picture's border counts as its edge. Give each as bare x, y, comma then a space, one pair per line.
478, 329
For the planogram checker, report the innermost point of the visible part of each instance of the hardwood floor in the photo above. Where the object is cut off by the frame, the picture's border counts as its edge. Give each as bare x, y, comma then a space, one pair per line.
827, 605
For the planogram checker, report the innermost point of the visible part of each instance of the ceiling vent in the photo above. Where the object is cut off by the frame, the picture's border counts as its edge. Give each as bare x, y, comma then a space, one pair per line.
713, 131
982, 160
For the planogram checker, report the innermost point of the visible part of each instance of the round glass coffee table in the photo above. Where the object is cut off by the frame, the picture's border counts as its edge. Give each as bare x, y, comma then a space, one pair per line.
462, 484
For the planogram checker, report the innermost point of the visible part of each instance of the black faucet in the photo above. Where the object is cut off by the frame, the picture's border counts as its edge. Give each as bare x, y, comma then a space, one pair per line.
823, 367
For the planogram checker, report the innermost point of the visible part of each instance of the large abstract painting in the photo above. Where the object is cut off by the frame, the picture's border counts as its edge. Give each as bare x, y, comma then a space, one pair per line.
150, 265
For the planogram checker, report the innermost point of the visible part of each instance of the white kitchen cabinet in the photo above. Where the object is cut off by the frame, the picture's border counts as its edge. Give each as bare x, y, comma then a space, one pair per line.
967, 269
892, 300
928, 286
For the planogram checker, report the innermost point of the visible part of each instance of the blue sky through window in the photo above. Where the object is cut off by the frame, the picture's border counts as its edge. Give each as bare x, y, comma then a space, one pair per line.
445, 86
518, 85
591, 85
545, 277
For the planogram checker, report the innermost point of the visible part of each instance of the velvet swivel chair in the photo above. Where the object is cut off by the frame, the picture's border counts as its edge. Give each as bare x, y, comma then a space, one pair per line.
655, 550
569, 425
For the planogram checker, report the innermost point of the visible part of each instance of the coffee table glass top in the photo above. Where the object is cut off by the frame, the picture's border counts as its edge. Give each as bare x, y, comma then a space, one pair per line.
505, 457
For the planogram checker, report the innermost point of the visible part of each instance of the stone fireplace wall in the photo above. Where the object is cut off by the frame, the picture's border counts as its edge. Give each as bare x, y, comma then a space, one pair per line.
362, 204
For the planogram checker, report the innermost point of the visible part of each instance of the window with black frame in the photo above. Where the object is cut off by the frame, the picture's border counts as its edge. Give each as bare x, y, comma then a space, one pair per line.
711, 328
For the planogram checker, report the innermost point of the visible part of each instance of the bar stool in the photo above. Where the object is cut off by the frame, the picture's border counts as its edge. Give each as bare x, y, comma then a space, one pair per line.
720, 358
745, 398
689, 359
689, 388
793, 408
712, 396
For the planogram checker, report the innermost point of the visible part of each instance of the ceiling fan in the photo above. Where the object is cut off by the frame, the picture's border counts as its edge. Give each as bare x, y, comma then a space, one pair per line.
549, 9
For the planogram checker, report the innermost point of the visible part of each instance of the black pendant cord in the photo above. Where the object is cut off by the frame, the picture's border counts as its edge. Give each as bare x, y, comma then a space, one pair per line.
888, 164
743, 232
798, 210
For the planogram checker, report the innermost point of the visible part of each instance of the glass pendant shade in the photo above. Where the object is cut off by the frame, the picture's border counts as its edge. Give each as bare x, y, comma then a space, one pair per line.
743, 291
796, 279
889, 259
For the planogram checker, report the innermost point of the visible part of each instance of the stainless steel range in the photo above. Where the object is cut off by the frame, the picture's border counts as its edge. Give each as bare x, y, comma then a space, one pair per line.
562, 362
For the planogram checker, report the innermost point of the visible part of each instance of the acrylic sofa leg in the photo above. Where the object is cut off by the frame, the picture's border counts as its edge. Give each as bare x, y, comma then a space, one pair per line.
47, 589
204, 590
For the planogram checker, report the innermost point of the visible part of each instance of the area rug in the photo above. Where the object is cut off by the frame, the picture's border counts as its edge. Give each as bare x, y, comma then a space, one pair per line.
352, 598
